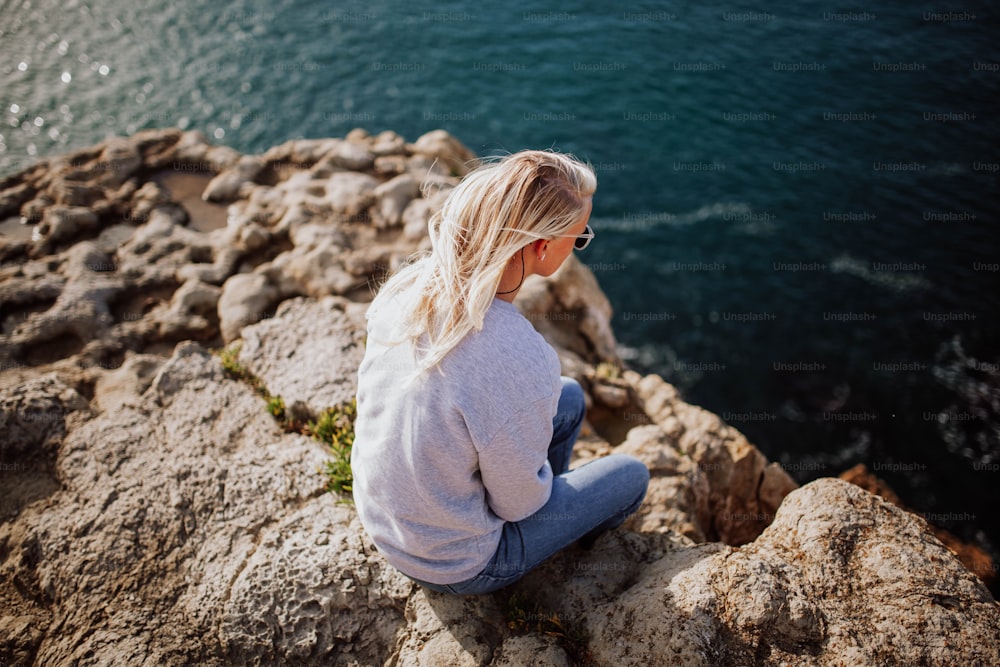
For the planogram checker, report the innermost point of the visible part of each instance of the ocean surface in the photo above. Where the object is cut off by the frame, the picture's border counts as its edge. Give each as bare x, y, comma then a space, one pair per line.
797, 210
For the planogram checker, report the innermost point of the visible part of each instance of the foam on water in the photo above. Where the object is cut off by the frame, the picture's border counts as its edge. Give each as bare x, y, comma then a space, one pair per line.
872, 273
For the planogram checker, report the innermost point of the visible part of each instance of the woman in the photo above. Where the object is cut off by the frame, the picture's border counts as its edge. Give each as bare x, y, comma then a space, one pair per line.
465, 428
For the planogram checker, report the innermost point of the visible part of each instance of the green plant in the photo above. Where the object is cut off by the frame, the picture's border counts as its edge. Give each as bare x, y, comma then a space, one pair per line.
608, 370
229, 357
335, 427
276, 406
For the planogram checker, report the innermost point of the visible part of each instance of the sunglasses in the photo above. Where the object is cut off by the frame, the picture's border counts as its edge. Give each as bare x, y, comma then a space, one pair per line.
583, 240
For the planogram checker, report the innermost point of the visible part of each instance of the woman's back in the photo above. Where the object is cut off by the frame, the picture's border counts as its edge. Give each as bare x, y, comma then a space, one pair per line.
441, 463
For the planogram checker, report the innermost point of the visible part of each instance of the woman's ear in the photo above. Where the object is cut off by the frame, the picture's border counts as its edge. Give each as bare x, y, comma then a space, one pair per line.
540, 246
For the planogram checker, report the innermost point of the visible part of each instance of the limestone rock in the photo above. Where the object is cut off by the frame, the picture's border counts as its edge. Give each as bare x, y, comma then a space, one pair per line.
388, 143
125, 384
447, 630
353, 156
192, 312
350, 193
531, 650
337, 596
148, 197
63, 223
390, 165
225, 186
679, 492
440, 145
611, 395
835, 579
246, 298
391, 199
973, 557
415, 218
745, 489
161, 497
33, 418
314, 270
304, 337
571, 311
119, 160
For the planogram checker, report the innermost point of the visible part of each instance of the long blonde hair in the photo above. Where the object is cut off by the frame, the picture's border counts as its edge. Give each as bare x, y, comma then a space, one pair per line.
497, 209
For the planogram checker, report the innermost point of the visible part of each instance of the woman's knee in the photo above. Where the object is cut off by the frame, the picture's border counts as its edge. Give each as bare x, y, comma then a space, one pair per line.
633, 472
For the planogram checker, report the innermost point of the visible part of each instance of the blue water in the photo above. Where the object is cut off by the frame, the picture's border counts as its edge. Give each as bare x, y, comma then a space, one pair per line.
796, 213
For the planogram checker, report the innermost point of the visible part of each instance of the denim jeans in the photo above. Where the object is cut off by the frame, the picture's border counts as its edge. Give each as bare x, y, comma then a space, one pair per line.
585, 502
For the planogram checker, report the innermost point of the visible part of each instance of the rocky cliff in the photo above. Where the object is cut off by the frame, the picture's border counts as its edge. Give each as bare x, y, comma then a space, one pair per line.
155, 513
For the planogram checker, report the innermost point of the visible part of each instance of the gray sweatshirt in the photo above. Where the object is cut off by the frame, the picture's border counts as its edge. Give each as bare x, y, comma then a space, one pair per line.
440, 464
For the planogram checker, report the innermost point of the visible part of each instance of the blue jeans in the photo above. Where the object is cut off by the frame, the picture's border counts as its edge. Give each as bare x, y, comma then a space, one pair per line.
585, 502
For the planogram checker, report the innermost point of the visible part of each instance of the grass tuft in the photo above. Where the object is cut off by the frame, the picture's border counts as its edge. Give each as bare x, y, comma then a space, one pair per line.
229, 357
276, 406
608, 371
335, 428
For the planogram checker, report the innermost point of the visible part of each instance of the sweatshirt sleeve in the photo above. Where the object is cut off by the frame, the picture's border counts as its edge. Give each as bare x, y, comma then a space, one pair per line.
514, 465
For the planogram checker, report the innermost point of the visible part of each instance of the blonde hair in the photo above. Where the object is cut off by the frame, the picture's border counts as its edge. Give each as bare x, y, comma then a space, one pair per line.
497, 209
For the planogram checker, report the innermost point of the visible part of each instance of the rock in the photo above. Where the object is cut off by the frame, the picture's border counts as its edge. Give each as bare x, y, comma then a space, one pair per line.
148, 197
164, 502
358, 135
745, 489
679, 493
226, 185
571, 311
440, 145
308, 236
73, 192
976, 559
390, 165
415, 218
431, 172
86, 257
303, 336
246, 298
388, 143
253, 236
26, 635
350, 193
33, 418
447, 630
340, 598
611, 395
126, 383
63, 223
192, 312
119, 160
353, 156
531, 650
219, 158
315, 271
392, 198
835, 579
16, 196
